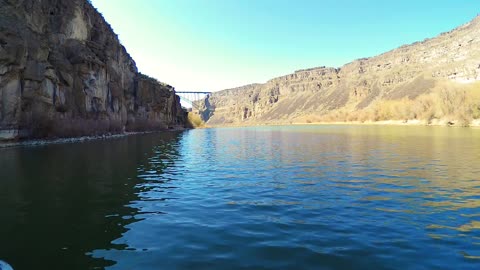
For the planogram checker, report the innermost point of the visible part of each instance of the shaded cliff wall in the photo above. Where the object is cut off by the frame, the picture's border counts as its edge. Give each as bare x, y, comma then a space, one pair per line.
409, 82
63, 72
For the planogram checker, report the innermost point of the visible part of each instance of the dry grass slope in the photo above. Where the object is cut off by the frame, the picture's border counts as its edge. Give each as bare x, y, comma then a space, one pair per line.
435, 81
447, 103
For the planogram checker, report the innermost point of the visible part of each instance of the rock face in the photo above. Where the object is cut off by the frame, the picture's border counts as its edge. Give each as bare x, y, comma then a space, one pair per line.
63, 72
407, 73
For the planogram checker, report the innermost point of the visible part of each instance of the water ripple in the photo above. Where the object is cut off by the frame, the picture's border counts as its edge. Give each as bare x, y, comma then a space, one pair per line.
306, 197
335, 199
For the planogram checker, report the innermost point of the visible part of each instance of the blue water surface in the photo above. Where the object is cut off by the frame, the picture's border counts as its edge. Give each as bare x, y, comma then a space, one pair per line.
296, 197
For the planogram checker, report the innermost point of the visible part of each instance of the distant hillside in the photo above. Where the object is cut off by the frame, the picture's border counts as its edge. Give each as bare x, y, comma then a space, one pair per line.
436, 81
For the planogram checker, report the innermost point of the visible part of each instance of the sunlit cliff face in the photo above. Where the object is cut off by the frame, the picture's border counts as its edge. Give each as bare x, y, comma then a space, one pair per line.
63, 72
419, 82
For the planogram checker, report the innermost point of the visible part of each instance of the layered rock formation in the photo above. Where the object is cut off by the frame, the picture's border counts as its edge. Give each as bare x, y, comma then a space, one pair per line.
362, 87
63, 72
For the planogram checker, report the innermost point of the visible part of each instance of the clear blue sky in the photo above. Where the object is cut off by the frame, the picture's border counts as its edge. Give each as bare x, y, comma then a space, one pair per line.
218, 44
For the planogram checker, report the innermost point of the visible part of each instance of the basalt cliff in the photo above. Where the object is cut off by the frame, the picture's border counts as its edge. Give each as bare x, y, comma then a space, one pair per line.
435, 81
63, 73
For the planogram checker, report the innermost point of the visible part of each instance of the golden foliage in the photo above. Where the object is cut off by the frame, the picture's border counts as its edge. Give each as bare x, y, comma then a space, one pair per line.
195, 121
449, 104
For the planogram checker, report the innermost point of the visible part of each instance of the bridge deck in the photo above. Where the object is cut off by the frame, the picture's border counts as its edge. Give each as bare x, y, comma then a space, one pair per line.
192, 92
192, 97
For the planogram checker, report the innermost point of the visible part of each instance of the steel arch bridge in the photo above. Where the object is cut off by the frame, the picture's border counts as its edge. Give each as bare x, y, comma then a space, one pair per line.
191, 97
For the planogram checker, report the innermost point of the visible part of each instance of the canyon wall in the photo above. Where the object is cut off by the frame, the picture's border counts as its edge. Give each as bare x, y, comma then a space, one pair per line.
63, 72
433, 80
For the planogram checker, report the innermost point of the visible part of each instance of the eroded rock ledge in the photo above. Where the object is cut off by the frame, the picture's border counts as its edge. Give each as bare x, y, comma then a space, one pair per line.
436, 80
64, 73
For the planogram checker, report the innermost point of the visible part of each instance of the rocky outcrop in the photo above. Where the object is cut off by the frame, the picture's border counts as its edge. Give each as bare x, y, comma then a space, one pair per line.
63, 72
406, 73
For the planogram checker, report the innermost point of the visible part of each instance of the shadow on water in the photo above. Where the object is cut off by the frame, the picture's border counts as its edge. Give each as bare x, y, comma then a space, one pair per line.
302, 197
60, 202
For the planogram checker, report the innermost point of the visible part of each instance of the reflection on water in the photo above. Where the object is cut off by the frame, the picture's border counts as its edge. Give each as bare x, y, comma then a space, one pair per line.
59, 202
309, 197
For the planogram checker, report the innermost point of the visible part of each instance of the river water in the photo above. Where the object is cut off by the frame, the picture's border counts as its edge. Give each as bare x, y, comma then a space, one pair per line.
297, 197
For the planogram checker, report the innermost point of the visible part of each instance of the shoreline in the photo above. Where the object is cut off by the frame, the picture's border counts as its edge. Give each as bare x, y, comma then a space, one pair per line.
49, 141
475, 124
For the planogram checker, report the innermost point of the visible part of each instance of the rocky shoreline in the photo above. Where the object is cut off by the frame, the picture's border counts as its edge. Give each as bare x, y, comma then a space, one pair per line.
49, 141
